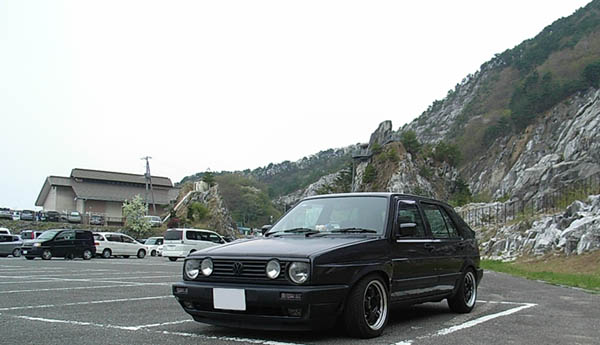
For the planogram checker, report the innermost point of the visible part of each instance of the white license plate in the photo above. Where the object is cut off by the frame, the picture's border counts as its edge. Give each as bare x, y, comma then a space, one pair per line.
24, 252
229, 299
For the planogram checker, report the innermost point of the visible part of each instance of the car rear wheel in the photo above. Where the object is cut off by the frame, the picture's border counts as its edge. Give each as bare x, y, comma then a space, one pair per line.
366, 312
172, 258
153, 253
46, 254
106, 253
87, 254
16, 252
466, 295
141, 254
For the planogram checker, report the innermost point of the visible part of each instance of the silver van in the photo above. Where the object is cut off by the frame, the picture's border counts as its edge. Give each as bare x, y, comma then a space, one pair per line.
179, 242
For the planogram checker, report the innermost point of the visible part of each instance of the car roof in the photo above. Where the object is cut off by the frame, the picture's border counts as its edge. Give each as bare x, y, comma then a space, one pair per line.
110, 233
187, 229
387, 195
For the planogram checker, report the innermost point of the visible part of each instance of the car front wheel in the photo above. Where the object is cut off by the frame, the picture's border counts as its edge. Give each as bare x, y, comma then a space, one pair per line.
46, 254
466, 295
87, 254
16, 252
141, 254
153, 253
367, 307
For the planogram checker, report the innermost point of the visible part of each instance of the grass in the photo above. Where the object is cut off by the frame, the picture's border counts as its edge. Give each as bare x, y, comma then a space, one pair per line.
581, 271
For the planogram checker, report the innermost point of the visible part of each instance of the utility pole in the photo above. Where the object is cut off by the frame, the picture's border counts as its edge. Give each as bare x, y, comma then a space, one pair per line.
148, 178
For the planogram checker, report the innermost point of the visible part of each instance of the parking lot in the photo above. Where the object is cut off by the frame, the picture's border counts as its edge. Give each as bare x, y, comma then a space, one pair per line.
128, 301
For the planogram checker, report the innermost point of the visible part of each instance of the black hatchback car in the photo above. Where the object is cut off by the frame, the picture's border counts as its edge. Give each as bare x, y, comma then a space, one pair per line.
65, 243
345, 257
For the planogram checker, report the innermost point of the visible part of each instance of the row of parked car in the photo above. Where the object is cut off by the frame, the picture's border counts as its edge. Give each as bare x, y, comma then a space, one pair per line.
72, 243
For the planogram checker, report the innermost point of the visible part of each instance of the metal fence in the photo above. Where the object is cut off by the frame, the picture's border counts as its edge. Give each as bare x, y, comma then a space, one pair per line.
501, 213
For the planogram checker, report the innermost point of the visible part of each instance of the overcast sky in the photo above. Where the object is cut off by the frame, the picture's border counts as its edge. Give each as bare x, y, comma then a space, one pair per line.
227, 85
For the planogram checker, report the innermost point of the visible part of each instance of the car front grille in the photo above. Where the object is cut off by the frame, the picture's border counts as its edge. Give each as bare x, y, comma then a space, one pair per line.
254, 269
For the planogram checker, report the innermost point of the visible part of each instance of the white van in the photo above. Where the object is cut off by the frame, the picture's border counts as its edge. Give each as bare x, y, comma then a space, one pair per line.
179, 243
114, 243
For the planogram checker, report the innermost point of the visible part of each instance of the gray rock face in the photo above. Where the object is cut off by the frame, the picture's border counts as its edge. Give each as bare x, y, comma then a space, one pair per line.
312, 189
382, 134
548, 234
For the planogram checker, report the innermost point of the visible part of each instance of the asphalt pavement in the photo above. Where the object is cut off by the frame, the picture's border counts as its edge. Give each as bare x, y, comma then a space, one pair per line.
129, 301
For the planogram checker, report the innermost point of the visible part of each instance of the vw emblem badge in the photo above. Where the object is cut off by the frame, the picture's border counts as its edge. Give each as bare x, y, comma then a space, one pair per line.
238, 268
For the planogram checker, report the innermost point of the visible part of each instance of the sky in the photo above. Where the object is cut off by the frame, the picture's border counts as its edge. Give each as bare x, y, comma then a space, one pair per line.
228, 85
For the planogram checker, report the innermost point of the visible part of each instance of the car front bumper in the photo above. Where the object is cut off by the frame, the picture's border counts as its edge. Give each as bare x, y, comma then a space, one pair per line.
174, 253
32, 251
268, 307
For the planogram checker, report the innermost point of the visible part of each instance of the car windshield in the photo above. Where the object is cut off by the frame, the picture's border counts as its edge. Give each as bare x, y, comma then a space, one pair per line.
341, 215
48, 235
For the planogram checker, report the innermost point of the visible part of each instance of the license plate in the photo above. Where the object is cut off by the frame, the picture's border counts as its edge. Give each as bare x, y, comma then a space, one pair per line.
229, 299
24, 252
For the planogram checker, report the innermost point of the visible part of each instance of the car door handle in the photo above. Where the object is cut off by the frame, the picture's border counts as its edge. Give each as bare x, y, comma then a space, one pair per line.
428, 246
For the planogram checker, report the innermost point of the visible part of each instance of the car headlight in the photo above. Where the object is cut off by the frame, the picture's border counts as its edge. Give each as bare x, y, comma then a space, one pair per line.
273, 269
298, 272
207, 266
192, 268
37, 244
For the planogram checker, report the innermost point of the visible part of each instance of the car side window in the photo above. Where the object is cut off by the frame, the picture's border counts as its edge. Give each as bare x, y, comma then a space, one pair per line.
98, 237
3, 238
214, 238
159, 241
436, 221
409, 213
65, 236
450, 225
113, 238
127, 239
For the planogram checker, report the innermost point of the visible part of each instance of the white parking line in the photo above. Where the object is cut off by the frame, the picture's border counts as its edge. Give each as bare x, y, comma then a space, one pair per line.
126, 284
120, 300
144, 328
475, 322
54, 280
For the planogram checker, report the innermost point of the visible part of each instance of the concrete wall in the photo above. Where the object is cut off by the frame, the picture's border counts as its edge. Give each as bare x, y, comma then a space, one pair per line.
50, 202
65, 199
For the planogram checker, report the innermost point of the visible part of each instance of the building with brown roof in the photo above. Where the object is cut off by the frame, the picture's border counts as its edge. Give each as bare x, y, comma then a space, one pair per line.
103, 192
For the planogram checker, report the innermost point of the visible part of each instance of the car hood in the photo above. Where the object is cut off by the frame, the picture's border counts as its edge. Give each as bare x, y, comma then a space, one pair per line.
285, 246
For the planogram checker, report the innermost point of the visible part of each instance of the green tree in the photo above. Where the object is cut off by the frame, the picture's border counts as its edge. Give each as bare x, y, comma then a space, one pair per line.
410, 142
134, 212
370, 174
448, 153
591, 74
209, 178
197, 212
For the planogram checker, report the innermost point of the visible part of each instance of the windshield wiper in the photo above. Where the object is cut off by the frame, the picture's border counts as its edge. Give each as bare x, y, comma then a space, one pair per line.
306, 231
357, 230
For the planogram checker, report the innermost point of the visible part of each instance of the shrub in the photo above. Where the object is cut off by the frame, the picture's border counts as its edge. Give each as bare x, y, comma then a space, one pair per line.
370, 174
410, 142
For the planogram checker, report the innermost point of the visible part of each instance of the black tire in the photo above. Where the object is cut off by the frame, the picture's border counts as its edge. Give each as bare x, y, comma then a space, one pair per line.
29, 257
172, 258
367, 308
126, 256
106, 253
141, 254
153, 253
87, 254
46, 254
466, 295
16, 252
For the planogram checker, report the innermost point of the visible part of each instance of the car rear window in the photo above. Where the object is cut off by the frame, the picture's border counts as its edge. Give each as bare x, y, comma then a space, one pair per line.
173, 235
98, 237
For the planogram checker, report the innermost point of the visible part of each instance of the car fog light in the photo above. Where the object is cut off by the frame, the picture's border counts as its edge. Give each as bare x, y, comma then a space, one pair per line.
295, 312
288, 296
273, 269
181, 290
188, 304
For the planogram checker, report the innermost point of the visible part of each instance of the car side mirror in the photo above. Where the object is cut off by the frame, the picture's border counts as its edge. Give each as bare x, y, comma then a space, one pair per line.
265, 228
407, 230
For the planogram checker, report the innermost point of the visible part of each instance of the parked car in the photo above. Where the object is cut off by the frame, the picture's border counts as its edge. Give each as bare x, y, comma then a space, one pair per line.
10, 245
52, 216
74, 217
27, 215
159, 250
16, 215
178, 243
117, 244
154, 220
152, 244
96, 219
66, 243
346, 257
5, 213
4, 231
30, 234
